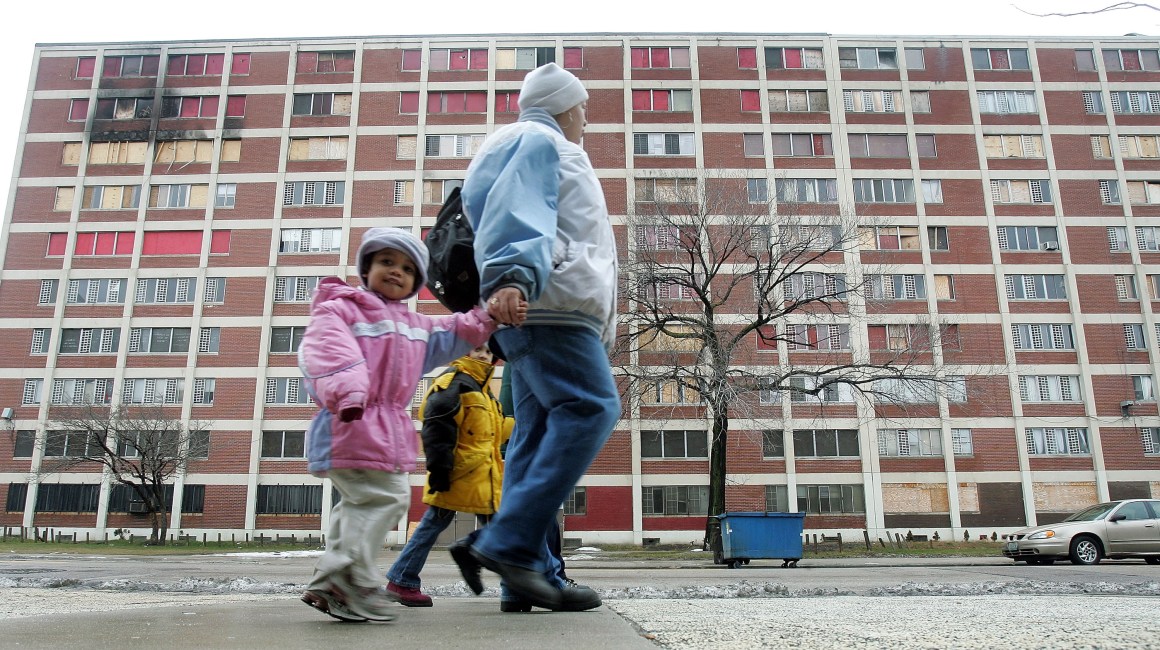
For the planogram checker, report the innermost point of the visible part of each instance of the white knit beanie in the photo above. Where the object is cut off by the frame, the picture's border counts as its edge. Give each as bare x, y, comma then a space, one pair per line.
551, 88
376, 239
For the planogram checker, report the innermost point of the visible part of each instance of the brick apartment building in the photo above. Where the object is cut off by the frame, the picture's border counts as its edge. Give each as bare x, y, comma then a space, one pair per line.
174, 203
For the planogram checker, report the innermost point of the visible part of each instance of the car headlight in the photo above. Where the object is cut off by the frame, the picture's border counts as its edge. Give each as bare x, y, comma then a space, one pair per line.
1043, 534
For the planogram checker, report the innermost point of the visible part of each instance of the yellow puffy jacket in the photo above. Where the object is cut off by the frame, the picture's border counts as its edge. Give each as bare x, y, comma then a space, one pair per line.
463, 429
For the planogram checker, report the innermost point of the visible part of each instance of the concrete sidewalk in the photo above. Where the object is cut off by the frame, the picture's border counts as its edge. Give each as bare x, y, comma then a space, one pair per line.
285, 622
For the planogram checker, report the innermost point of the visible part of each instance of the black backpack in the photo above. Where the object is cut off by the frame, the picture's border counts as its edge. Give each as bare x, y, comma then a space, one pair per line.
451, 274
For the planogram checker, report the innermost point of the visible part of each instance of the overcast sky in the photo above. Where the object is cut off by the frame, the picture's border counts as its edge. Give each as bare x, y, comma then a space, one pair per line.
72, 21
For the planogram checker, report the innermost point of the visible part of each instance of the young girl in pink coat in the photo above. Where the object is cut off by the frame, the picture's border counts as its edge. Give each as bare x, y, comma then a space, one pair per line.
363, 355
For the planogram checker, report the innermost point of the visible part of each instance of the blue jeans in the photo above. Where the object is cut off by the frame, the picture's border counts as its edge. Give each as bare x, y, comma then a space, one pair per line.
405, 571
566, 405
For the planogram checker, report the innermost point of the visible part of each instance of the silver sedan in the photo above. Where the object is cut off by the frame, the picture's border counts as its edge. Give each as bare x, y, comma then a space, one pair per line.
1114, 530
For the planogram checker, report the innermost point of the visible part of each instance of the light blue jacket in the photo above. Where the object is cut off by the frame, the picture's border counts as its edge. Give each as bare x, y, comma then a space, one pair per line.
541, 225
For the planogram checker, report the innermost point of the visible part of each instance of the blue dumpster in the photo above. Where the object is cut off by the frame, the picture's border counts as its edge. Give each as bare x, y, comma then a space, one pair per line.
749, 536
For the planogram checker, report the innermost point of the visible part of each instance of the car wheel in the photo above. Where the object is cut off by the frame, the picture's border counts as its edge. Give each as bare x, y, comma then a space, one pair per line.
1152, 560
1085, 550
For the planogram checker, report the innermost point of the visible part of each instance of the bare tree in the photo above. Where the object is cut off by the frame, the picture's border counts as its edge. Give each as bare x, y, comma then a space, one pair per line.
713, 271
140, 446
1115, 6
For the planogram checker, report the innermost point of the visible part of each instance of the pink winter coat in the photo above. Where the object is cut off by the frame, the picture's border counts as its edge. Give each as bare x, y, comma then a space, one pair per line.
363, 351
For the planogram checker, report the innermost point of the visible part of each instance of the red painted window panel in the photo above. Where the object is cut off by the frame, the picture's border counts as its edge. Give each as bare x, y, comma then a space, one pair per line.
86, 65
999, 60
57, 242
307, 62
176, 67
425, 293
112, 67
766, 343
641, 100
455, 102
190, 106
85, 243
747, 58
172, 242
574, 57
125, 243
660, 100
793, 58
408, 102
639, 57
412, 59
1131, 59
478, 59
476, 102
458, 61
219, 242
660, 58
241, 64
79, 111
214, 64
507, 102
434, 103
209, 106
750, 100
150, 65
236, 106
876, 334
344, 64
106, 243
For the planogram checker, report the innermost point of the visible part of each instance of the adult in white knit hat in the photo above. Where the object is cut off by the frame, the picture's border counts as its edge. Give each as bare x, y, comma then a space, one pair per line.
542, 235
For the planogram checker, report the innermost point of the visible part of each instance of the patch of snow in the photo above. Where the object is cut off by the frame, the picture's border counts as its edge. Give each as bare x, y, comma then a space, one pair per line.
311, 553
589, 549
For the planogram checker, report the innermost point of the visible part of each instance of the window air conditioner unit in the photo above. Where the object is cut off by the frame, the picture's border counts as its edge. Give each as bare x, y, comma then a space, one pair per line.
1049, 246
138, 507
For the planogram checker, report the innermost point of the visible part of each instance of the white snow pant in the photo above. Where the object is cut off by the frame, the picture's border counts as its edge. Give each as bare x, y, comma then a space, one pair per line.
370, 504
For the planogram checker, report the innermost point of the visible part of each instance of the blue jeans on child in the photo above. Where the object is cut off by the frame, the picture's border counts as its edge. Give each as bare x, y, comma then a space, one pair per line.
566, 405
405, 571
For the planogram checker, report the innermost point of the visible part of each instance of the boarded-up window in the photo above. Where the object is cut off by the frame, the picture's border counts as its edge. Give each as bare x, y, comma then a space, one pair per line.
71, 154
407, 147
64, 199
321, 148
183, 151
231, 150
117, 153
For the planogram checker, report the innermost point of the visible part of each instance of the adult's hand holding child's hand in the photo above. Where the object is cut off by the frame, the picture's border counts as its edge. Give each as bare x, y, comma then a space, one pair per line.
507, 305
350, 414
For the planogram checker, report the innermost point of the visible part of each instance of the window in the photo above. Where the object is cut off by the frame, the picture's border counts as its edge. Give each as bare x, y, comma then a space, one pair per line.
1148, 238
818, 390
1126, 287
291, 288
457, 102
326, 61
825, 443
159, 340
1042, 336
92, 243
78, 111
1134, 336
1007, 101
1035, 287
67, 497
806, 190
457, 59
153, 391
1101, 146
802, 144
1131, 60
1093, 102
872, 101
868, 58
899, 337
166, 290
669, 392
82, 391
674, 444
1021, 191
1085, 61
792, 58
523, 58
124, 108
1135, 101
289, 500
999, 59
314, 193
183, 151
915, 59
1028, 238
931, 191
111, 197
286, 390
799, 101
753, 145
117, 153
1110, 192
757, 190
90, 340
506, 102
195, 65
189, 107
40, 340
283, 444
577, 501
322, 104
573, 58
896, 286
831, 499
33, 388
318, 148
25, 444
1154, 286
816, 286
178, 196
1049, 388
921, 391
1150, 437
286, 339
666, 190
674, 338
773, 443
878, 145
924, 144
1142, 192
208, 340
131, 66
675, 500
817, 337
1117, 239
937, 238
1013, 146
452, 146
1058, 441
920, 101
93, 291
660, 101
666, 289
64, 199
47, 295
1138, 146
436, 192
659, 57
1142, 388
86, 65
225, 195
663, 144
910, 442
883, 190
310, 240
